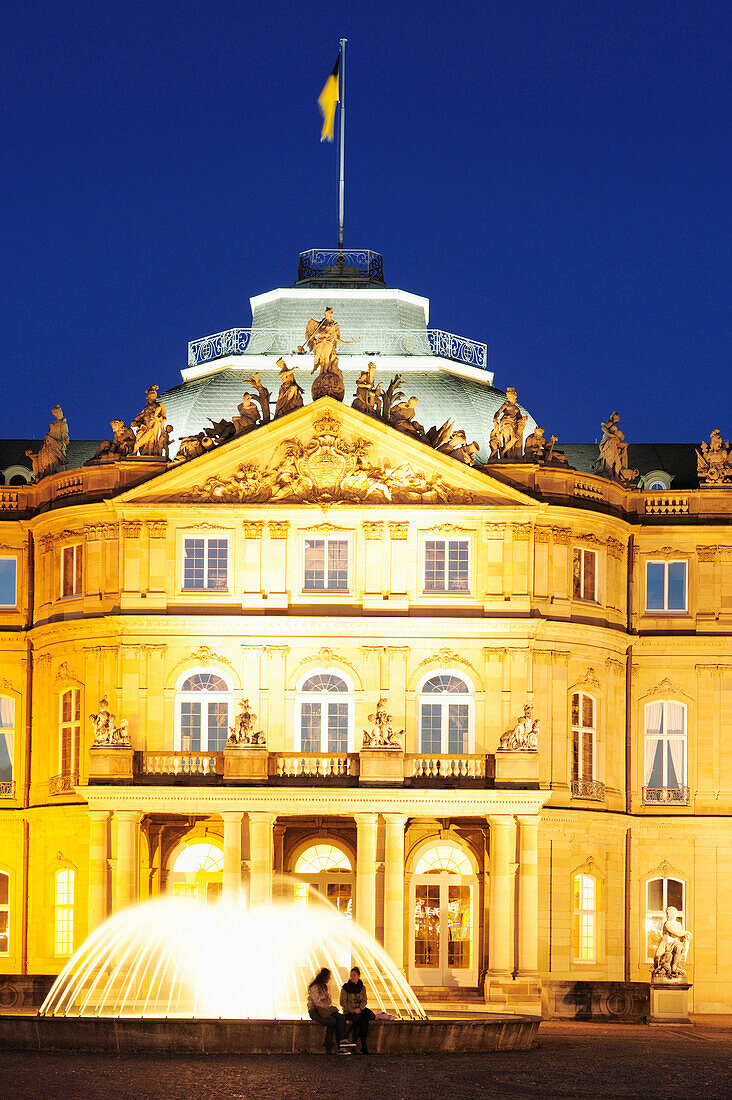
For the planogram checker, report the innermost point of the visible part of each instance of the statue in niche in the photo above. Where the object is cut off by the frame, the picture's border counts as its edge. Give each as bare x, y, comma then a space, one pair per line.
323, 338
52, 455
613, 460
243, 734
714, 461
669, 959
290, 396
457, 447
368, 395
152, 438
510, 422
382, 734
121, 445
106, 731
524, 737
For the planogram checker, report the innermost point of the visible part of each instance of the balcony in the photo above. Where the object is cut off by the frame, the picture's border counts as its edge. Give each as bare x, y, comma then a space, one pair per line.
63, 784
314, 769
448, 771
665, 796
588, 789
181, 767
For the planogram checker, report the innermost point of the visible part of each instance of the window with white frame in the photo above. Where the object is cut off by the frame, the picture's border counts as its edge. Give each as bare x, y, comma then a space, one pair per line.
445, 715
666, 585
69, 732
72, 566
8, 582
584, 918
446, 565
64, 884
325, 713
584, 574
4, 913
203, 701
7, 745
326, 565
665, 746
660, 893
205, 564
584, 735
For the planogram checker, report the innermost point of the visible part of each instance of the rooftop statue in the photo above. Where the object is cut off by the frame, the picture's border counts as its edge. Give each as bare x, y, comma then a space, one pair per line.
121, 445
524, 737
152, 434
669, 960
262, 397
248, 417
382, 734
106, 731
290, 396
193, 446
457, 447
542, 451
508, 424
714, 461
243, 734
368, 395
52, 455
613, 460
323, 338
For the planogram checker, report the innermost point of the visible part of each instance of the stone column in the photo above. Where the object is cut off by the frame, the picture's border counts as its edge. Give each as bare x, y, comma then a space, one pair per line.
528, 929
366, 871
231, 881
260, 857
127, 886
501, 899
394, 888
98, 867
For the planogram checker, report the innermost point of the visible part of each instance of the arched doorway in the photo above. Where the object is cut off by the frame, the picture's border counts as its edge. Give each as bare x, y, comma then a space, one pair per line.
443, 897
196, 871
327, 869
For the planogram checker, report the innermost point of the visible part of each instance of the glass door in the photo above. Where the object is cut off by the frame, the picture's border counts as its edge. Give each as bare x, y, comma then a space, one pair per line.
443, 949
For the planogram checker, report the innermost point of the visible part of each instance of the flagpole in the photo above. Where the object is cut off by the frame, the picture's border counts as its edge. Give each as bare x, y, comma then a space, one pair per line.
341, 180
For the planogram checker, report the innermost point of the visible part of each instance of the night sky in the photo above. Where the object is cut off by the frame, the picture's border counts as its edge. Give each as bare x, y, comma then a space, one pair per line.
553, 176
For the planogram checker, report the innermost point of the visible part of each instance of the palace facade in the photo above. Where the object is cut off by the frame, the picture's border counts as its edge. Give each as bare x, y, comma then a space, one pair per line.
320, 558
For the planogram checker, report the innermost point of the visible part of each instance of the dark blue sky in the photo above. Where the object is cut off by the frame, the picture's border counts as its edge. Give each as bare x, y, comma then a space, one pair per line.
554, 176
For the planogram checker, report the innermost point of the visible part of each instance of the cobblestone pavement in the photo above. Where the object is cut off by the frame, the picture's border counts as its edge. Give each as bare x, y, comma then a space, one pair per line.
572, 1060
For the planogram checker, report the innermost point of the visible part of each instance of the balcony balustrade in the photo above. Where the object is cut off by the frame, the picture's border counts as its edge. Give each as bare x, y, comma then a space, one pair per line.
665, 796
589, 789
458, 770
7, 788
63, 784
314, 768
193, 766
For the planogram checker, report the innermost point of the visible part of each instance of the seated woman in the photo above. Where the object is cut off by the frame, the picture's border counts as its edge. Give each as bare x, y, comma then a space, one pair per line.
353, 1003
322, 1010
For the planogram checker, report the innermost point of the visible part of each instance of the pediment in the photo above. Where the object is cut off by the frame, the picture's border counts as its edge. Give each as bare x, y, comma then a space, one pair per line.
325, 453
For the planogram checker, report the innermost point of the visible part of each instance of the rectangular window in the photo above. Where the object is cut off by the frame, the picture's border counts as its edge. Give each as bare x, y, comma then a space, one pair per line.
337, 727
205, 564
457, 728
326, 565
65, 912
584, 925
446, 565
583, 737
71, 570
4, 913
190, 726
70, 729
665, 586
665, 752
7, 744
584, 574
8, 582
660, 893
310, 727
431, 728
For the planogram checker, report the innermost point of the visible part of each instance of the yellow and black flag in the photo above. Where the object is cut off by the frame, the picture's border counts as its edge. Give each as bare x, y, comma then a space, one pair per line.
327, 101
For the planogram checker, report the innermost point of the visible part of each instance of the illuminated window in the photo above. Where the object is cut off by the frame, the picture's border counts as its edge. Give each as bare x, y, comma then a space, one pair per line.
584, 732
205, 564
325, 710
64, 906
660, 893
69, 732
198, 871
584, 923
666, 584
584, 574
322, 857
665, 747
4, 913
200, 857
72, 563
326, 565
446, 565
443, 857
8, 582
202, 710
445, 715
7, 745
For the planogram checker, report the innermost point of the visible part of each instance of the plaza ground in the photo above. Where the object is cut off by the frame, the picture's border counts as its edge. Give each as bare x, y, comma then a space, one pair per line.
572, 1060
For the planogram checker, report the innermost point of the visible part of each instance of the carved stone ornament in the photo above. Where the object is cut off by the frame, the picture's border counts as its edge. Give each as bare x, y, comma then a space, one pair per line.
106, 730
613, 460
252, 528
373, 531
398, 532
324, 469
382, 734
203, 656
156, 528
120, 446
714, 461
243, 734
669, 959
279, 529
524, 737
52, 455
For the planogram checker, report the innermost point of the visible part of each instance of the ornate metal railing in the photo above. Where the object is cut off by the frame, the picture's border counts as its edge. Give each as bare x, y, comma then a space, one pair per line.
590, 789
7, 788
365, 341
63, 784
193, 765
447, 767
313, 765
340, 263
666, 796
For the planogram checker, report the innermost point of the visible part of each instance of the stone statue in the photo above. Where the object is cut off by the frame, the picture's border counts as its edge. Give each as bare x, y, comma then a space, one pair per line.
121, 445
193, 446
290, 396
525, 735
106, 731
248, 417
52, 455
457, 447
553, 457
382, 734
243, 734
613, 460
535, 445
510, 423
153, 436
262, 397
323, 338
402, 418
714, 461
221, 431
670, 956
368, 396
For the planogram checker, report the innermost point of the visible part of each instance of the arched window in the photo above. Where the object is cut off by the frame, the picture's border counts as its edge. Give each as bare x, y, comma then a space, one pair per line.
584, 918
69, 733
445, 715
443, 897
660, 893
443, 857
665, 752
202, 712
64, 885
7, 745
322, 857
197, 871
4, 913
584, 735
327, 869
325, 713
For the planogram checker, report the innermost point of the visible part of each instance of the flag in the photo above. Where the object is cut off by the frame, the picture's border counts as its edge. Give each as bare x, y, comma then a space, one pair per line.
327, 102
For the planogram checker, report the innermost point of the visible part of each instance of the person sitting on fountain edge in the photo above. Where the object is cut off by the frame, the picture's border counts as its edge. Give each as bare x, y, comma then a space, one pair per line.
353, 1003
322, 1010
